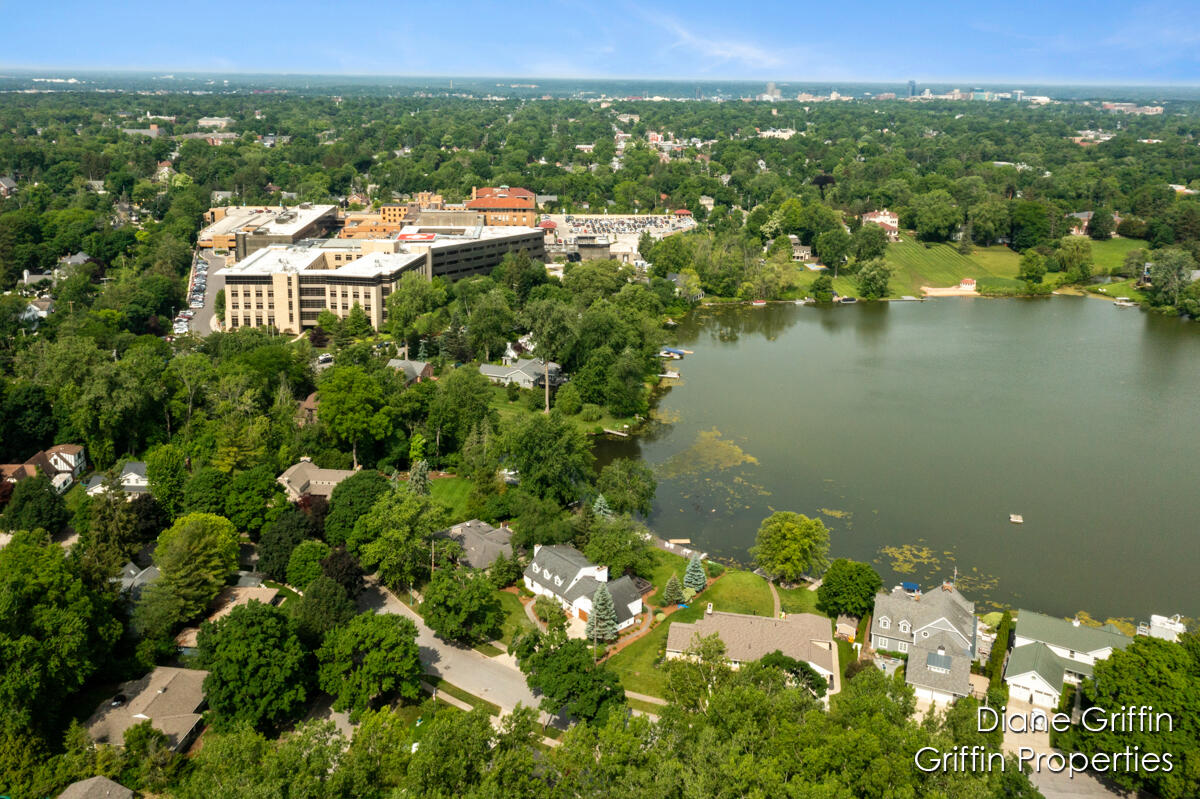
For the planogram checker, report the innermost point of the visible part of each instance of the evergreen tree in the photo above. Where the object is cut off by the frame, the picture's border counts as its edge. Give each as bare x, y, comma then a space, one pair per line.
602, 621
418, 478
673, 592
600, 507
422, 352
695, 578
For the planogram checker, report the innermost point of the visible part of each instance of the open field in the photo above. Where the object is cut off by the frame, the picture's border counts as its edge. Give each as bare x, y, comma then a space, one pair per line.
1110, 254
735, 592
915, 265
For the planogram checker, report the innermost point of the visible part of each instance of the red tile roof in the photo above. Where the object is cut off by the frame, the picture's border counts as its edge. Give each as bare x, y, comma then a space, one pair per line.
511, 191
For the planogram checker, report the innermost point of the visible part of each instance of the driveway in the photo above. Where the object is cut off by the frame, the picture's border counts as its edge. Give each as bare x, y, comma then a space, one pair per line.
203, 322
488, 678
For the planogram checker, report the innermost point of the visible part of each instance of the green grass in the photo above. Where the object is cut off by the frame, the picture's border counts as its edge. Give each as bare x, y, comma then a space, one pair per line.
736, 592
288, 594
915, 265
845, 654
798, 600
665, 564
452, 492
1122, 288
488, 649
1110, 254
461, 695
645, 707
509, 411
515, 619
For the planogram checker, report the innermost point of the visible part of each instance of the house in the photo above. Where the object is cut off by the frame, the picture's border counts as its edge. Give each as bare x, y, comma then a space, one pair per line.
1164, 627
163, 172
132, 479
563, 573
800, 252
307, 412
96, 788
62, 463
937, 631
803, 636
1048, 652
170, 698
75, 260
414, 371
515, 349
133, 578
525, 372
36, 311
306, 477
888, 220
7, 185
231, 596
1082, 219
214, 122
481, 542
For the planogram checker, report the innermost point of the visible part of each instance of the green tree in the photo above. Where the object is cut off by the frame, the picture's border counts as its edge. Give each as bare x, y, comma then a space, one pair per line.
602, 621
372, 656
345, 570
551, 455
1101, 226
1032, 267
396, 535
356, 324
350, 500
460, 606
353, 408
833, 247
936, 215
694, 577
323, 606
848, 587
873, 279
563, 671
822, 288
205, 491
194, 557
257, 668
304, 565
553, 326
798, 671
253, 499
673, 591
567, 400
490, 324
55, 631
1169, 274
790, 545
621, 544
35, 505
1074, 255
166, 472
279, 539
418, 478
625, 392
868, 243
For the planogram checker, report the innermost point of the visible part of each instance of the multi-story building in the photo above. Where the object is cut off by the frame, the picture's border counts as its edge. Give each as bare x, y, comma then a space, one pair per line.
288, 286
504, 206
243, 229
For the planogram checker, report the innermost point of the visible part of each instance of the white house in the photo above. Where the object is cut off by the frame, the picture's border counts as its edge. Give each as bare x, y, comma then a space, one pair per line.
562, 572
525, 372
1049, 652
888, 220
132, 480
937, 631
62, 464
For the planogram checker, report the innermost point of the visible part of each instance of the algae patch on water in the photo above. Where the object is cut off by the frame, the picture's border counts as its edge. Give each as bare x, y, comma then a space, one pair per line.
833, 513
711, 452
906, 558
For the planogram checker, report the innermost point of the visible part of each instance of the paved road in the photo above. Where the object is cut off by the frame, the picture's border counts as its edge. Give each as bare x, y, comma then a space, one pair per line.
488, 678
203, 322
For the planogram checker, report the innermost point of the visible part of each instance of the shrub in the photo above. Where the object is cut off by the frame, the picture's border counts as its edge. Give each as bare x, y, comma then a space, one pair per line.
535, 400
688, 595
512, 391
660, 617
591, 412
567, 400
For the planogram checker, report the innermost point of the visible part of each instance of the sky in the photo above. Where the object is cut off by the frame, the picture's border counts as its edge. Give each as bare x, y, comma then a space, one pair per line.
1098, 41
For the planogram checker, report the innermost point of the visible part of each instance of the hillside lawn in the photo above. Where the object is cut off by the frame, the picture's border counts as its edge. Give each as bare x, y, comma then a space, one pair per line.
940, 265
735, 592
1110, 254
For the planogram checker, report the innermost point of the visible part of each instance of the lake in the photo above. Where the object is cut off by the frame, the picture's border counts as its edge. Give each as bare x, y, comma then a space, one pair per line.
913, 429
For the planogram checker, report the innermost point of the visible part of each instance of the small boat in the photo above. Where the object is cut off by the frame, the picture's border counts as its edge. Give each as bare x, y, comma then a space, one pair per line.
1125, 302
849, 300
759, 303
1016, 519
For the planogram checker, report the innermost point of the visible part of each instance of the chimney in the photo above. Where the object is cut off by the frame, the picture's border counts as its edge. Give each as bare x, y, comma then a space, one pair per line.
474, 193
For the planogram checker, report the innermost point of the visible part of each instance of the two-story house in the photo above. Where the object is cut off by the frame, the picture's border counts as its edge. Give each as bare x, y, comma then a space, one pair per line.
936, 630
562, 572
1049, 652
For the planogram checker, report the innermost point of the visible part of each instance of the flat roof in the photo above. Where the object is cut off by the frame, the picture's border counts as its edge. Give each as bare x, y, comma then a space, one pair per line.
265, 219
299, 258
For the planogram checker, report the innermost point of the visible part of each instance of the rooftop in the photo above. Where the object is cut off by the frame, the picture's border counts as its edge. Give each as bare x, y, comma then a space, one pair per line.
169, 697
803, 636
231, 596
1068, 634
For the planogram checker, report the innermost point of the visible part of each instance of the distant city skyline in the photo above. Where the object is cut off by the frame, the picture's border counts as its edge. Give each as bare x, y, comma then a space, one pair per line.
1147, 43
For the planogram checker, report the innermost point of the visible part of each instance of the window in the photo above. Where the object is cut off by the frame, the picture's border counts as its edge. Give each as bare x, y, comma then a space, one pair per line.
902, 646
881, 643
884, 622
924, 633
904, 627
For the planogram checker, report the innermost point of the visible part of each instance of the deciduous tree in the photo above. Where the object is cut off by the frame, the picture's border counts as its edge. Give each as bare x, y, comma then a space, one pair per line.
370, 657
790, 546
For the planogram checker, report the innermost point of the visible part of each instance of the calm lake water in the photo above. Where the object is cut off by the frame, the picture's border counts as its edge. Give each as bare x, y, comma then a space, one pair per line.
914, 430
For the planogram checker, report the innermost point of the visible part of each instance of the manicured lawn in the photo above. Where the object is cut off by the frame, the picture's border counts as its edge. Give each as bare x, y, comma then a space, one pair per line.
845, 654
736, 592
1110, 254
665, 564
515, 619
452, 492
509, 411
460, 694
287, 593
1123, 288
798, 600
915, 265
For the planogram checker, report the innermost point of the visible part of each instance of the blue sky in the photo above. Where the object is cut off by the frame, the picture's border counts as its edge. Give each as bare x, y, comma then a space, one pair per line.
1097, 41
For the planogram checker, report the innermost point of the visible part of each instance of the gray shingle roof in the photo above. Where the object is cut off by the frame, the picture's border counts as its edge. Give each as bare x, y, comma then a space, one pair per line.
803, 636
943, 608
624, 592
1037, 658
1068, 635
939, 664
412, 369
481, 542
96, 788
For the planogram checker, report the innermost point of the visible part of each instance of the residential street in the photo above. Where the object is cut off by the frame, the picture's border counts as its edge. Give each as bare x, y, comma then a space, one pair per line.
488, 678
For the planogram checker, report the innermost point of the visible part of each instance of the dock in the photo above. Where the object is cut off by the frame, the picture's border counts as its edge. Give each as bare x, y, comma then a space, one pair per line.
670, 374
678, 541
616, 433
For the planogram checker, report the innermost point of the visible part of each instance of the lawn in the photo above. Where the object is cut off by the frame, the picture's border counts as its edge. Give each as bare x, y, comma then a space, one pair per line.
1122, 288
515, 619
736, 592
510, 411
665, 564
1110, 254
452, 492
915, 265
846, 654
798, 600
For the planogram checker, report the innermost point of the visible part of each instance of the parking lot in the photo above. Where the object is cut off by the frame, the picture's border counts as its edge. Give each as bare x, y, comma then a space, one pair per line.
203, 286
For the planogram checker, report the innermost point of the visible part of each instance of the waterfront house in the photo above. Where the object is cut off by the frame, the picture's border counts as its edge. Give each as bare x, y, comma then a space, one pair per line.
888, 220
937, 632
525, 372
1049, 652
563, 573
803, 636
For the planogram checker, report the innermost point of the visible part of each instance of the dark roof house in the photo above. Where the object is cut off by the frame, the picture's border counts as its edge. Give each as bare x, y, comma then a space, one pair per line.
481, 542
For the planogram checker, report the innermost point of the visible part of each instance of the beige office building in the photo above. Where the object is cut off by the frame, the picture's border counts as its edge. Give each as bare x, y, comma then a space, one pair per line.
288, 286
